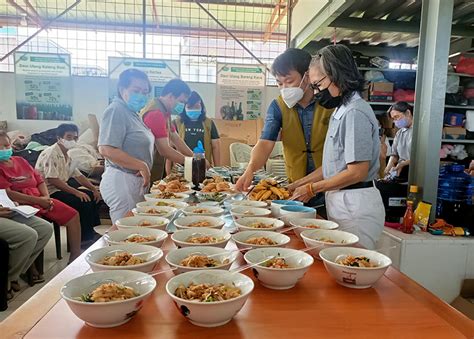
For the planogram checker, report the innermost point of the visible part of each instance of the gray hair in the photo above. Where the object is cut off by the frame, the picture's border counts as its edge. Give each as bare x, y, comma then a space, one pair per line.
338, 64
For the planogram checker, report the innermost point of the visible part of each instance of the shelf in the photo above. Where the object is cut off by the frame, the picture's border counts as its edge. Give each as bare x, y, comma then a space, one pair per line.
461, 74
386, 69
384, 103
460, 107
457, 141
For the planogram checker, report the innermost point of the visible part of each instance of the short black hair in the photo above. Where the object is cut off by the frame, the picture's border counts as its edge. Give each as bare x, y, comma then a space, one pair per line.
293, 59
401, 106
194, 98
176, 87
64, 128
339, 65
126, 77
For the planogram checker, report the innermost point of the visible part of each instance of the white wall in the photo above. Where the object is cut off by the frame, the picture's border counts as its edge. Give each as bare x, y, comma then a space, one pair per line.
90, 97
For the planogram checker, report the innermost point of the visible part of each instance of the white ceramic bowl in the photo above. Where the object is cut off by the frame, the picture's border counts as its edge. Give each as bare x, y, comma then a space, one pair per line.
154, 197
276, 278
309, 224
211, 196
208, 203
354, 277
249, 203
157, 211
340, 238
150, 253
246, 211
186, 222
163, 202
289, 213
136, 221
244, 224
210, 314
107, 314
119, 237
175, 257
180, 237
277, 204
239, 238
212, 211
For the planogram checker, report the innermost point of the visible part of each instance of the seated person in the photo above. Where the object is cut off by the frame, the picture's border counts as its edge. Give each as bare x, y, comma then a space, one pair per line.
26, 186
26, 238
5, 295
55, 166
402, 115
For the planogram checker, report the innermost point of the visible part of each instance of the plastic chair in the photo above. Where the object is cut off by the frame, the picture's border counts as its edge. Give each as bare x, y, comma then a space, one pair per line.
239, 154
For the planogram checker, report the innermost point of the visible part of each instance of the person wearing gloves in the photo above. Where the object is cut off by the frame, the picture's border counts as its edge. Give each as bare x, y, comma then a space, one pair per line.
126, 143
301, 120
55, 167
402, 115
157, 116
193, 125
351, 148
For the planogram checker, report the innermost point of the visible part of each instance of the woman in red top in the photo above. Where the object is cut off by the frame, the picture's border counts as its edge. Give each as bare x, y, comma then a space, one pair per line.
25, 185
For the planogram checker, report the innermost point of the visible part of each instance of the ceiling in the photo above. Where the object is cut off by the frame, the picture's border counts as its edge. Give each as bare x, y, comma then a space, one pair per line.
166, 16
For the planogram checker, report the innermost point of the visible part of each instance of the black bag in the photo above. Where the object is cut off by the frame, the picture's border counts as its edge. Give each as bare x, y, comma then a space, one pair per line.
29, 155
46, 138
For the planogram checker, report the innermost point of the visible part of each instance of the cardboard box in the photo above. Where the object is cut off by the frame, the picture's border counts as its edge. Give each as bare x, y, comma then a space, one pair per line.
225, 149
464, 303
247, 130
454, 133
381, 91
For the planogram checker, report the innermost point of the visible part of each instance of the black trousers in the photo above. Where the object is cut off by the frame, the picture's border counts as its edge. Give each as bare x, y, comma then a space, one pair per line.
88, 211
4, 258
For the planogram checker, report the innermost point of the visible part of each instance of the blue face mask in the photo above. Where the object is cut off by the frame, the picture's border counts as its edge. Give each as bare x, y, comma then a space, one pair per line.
178, 108
402, 123
136, 101
6, 154
193, 114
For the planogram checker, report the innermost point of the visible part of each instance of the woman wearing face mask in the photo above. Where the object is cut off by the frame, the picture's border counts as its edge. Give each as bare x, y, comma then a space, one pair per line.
25, 185
192, 125
127, 145
351, 149
402, 115
55, 166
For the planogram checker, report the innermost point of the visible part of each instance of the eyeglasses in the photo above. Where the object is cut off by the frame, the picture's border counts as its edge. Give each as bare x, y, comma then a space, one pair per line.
315, 85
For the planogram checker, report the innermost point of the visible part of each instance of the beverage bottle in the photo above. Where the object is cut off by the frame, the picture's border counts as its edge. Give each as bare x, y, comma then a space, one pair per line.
199, 165
412, 195
408, 218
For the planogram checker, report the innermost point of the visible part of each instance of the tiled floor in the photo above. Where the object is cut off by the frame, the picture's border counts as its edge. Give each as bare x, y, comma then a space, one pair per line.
52, 266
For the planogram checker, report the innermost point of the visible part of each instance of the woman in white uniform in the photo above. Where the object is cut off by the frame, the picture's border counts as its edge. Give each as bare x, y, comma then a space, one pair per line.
127, 145
402, 115
351, 149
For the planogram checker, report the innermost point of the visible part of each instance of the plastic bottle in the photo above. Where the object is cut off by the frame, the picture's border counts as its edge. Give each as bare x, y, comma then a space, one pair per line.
408, 219
199, 165
412, 195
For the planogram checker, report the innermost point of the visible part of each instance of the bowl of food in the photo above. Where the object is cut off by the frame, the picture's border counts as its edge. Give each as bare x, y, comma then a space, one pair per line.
247, 211
354, 267
108, 298
200, 258
259, 239
259, 224
209, 298
212, 211
277, 204
141, 221
199, 221
173, 186
158, 211
166, 196
278, 268
135, 257
249, 203
137, 235
303, 224
215, 196
321, 239
201, 236
163, 203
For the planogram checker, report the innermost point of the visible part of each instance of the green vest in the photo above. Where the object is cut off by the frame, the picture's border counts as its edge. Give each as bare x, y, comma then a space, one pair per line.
294, 145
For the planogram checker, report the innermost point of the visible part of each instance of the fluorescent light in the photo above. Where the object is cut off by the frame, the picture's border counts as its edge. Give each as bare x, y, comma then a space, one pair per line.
455, 54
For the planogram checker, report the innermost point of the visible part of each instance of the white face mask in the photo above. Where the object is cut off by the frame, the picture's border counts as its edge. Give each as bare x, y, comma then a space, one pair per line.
68, 144
292, 95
